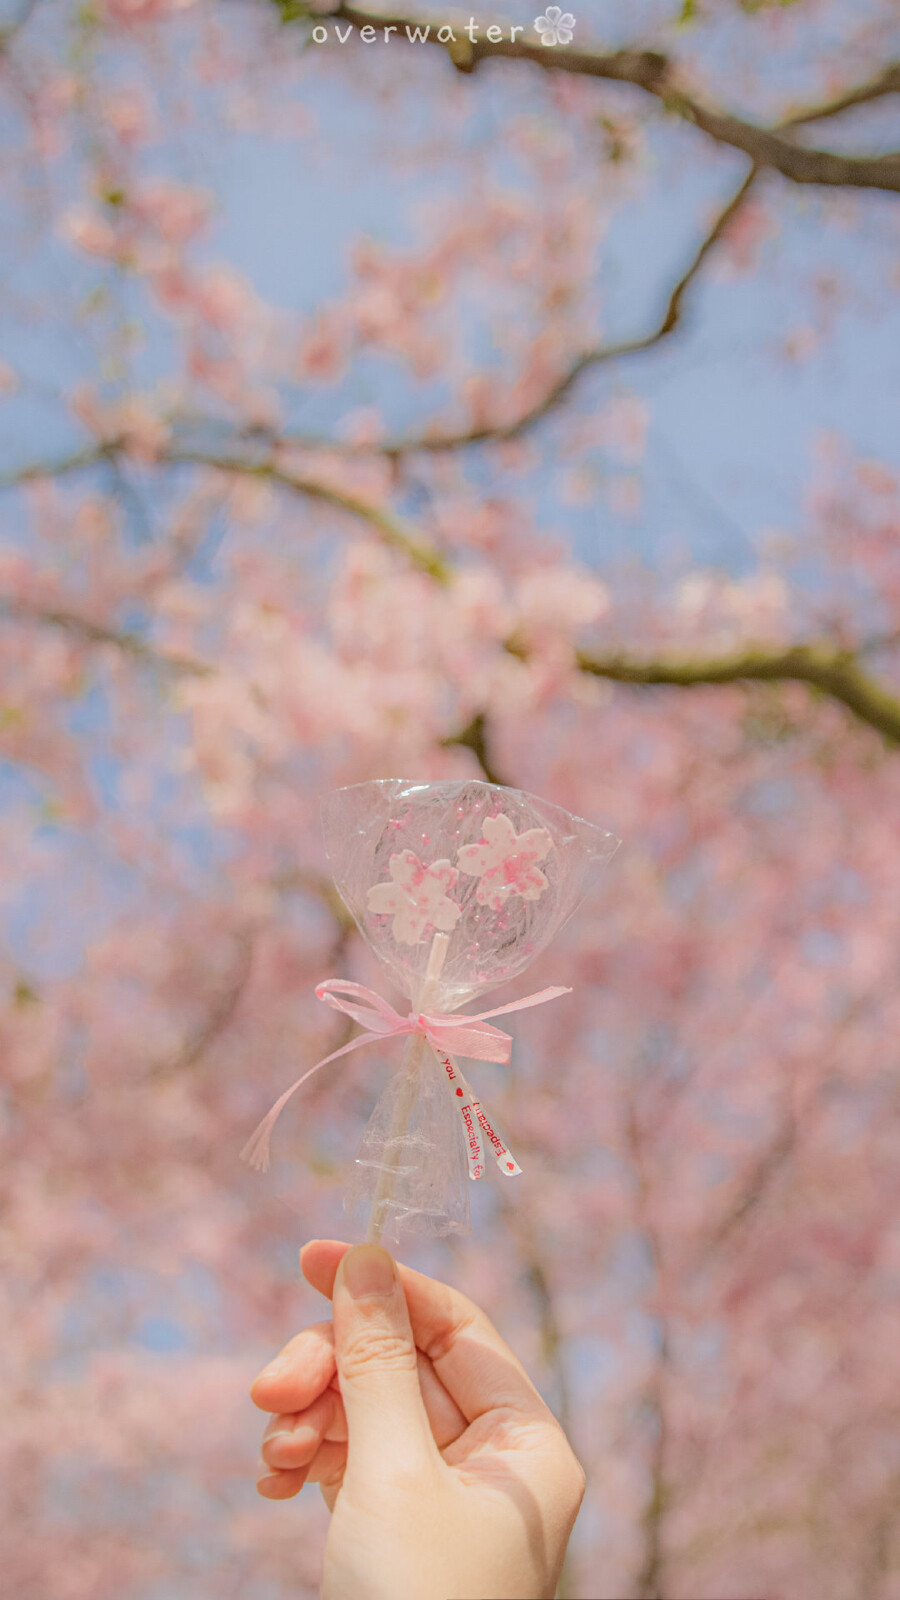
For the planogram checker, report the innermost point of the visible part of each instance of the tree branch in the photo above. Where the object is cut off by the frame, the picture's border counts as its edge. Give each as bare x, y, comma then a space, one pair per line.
11, 29
221, 1013
657, 75
553, 1347
886, 82
131, 644
835, 673
322, 888
755, 1185
649, 1579
474, 737
79, 461
424, 556
598, 355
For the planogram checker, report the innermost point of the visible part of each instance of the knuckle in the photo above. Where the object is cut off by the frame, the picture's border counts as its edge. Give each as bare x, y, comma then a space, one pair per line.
376, 1350
284, 1422
578, 1481
332, 1476
511, 1431
466, 1317
571, 1476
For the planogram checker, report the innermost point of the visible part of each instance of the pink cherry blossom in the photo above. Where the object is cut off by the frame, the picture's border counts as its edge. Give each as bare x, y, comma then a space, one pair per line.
191, 652
92, 233
505, 862
417, 897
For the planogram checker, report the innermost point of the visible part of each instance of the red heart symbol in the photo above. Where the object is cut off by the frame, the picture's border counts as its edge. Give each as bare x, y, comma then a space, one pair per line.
511, 1165
459, 1091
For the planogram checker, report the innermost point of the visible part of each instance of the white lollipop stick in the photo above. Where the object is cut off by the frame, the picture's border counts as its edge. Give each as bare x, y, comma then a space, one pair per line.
412, 1062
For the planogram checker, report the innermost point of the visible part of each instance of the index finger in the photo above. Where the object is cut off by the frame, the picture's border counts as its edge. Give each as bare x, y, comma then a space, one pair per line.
475, 1365
304, 1368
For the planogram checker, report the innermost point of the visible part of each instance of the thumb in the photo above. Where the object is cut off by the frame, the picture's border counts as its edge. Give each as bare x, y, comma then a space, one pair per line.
377, 1365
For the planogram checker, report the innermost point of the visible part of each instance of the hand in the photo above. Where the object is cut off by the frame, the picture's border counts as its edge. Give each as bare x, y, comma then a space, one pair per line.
447, 1475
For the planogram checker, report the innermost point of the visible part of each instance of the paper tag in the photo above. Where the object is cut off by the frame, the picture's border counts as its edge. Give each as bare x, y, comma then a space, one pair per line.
469, 1108
462, 1096
506, 1161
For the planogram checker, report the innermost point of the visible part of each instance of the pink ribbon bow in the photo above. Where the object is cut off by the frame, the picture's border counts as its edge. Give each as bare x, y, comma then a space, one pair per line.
445, 1031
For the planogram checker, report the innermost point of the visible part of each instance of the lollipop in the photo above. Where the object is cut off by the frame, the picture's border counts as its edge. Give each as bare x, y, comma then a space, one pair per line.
456, 887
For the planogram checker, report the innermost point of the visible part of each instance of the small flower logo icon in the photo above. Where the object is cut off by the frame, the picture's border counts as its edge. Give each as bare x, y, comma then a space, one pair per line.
555, 26
417, 897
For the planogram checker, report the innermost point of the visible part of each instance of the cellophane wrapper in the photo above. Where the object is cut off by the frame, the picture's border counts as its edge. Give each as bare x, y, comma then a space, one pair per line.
430, 1192
367, 824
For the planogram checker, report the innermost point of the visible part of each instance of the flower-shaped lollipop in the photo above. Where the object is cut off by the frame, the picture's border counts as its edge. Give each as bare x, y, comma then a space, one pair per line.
417, 897
504, 862
456, 887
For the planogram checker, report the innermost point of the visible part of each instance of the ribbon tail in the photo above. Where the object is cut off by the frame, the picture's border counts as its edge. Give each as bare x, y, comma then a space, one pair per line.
481, 1043
374, 1006
256, 1150
538, 999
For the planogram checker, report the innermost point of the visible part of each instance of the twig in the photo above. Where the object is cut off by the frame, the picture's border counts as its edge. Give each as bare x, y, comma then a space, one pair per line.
657, 75
129, 643
598, 355
833, 672
474, 737
424, 556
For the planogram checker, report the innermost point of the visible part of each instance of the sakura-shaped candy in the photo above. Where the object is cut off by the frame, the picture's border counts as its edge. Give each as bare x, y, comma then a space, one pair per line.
504, 862
416, 897
456, 887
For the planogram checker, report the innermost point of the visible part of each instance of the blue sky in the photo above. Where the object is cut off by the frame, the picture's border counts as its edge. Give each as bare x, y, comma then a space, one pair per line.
734, 421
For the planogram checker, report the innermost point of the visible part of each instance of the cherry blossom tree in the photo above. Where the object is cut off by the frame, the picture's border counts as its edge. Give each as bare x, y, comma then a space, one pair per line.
332, 451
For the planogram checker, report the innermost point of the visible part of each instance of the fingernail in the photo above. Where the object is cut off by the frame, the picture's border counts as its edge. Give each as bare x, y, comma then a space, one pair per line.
368, 1270
278, 1433
287, 1451
275, 1368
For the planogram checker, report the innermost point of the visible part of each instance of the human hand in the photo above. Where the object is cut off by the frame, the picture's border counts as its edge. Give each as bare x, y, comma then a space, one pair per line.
447, 1475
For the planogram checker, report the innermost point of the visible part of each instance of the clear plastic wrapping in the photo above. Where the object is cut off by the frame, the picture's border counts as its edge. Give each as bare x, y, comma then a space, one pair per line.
506, 914
413, 1149
456, 886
